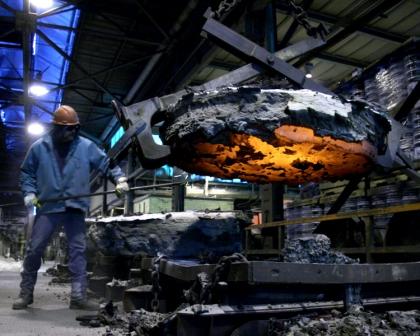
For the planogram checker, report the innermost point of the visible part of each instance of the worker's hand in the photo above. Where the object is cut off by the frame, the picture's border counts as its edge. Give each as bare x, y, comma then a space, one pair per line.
122, 186
31, 200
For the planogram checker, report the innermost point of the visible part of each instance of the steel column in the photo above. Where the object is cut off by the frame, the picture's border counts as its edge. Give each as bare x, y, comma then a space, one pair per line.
270, 27
178, 191
27, 30
129, 196
104, 211
272, 210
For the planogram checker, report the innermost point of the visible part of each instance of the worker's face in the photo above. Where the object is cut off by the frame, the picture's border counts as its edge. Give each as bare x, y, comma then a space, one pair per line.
63, 134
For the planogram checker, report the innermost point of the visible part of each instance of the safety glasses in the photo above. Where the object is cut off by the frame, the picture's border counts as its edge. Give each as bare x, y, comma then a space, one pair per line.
70, 128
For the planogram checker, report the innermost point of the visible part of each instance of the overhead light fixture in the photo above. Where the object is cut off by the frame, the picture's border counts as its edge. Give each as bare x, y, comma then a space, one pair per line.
43, 4
37, 88
308, 69
36, 128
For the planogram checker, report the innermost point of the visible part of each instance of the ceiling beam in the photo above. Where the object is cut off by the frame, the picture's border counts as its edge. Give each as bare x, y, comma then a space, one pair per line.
76, 64
222, 65
342, 60
99, 34
7, 7
152, 20
379, 8
58, 10
333, 20
104, 71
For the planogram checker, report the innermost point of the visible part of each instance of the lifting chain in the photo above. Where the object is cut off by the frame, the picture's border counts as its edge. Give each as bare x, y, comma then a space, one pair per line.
299, 14
225, 7
220, 273
156, 288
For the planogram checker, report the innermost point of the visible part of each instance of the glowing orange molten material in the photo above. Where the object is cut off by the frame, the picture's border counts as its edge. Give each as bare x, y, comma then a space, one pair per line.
295, 155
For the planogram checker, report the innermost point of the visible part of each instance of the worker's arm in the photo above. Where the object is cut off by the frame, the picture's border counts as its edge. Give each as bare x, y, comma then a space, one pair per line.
28, 169
101, 162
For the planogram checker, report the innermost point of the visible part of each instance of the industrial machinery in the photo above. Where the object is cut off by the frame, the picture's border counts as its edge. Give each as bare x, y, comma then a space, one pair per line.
377, 141
233, 146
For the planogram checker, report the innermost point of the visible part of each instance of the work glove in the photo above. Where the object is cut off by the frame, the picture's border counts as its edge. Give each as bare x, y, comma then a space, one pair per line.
31, 200
122, 186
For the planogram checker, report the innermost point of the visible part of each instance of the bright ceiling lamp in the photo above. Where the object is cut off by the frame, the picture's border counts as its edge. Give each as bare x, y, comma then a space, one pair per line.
36, 128
44, 4
38, 90
308, 69
37, 87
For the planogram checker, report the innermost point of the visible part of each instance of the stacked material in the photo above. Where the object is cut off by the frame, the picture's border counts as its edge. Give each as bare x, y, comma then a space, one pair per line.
389, 84
415, 117
177, 234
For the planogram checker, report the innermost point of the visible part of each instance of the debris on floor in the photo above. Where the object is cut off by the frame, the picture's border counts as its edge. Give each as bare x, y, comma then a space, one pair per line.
355, 322
314, 249
136, 322
60, 274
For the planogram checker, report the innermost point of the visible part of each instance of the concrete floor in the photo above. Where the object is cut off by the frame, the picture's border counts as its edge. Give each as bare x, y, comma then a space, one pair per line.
49, 315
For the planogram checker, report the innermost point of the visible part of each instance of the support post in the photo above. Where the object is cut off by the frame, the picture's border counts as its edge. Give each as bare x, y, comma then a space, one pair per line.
352, 295
270, 27
104, 210
178, 191
272, 209
368, 238
129, 197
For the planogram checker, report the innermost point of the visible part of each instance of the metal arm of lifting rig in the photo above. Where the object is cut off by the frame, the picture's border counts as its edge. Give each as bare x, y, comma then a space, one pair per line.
138, 119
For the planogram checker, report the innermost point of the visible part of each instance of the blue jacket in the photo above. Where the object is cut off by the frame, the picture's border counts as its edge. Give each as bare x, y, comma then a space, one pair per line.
41, 175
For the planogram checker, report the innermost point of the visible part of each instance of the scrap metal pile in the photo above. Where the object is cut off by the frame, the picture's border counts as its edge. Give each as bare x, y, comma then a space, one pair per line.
274, 135
313, 249
354, 322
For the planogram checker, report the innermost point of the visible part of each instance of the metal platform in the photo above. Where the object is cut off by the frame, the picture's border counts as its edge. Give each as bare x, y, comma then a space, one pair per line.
272, 272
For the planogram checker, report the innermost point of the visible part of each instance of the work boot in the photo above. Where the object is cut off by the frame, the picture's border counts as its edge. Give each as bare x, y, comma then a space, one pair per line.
84, 304
78, 298
23, 301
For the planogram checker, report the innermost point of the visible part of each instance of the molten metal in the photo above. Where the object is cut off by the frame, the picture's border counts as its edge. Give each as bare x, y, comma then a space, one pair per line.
298, 157
252, 136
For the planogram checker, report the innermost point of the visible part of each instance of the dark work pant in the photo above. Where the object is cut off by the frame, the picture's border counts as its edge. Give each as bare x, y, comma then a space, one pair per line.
45, 225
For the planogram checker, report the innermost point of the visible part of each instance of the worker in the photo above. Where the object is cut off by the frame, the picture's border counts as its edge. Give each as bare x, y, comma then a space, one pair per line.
59, 165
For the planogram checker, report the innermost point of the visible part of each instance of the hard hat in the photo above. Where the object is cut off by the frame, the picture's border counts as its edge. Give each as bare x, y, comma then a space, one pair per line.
65, 115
